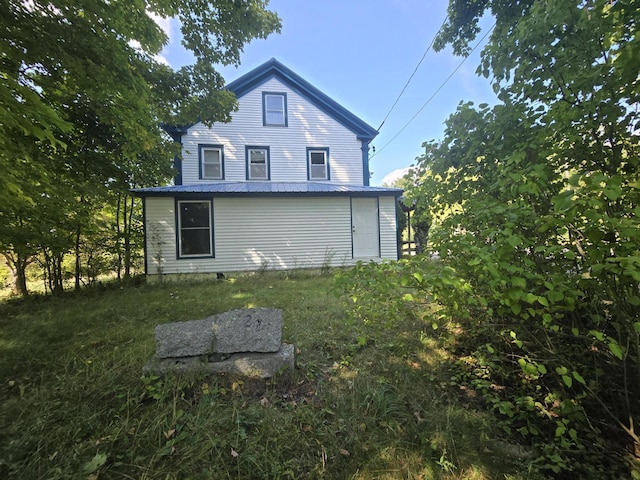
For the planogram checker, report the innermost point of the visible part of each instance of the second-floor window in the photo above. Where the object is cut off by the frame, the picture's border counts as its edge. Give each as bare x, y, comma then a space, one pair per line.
318, 163
274, 109
211, 162
258, 163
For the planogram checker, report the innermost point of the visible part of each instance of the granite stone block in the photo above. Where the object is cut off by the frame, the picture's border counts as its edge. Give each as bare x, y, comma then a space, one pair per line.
236, 331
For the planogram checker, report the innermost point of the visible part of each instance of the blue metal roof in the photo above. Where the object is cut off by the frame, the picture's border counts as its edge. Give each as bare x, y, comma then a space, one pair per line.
247, 189
273, 68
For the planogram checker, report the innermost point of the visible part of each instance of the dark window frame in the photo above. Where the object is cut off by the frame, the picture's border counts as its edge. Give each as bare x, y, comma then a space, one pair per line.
201, 150
180, 228
325, 151
265, 116
247, 154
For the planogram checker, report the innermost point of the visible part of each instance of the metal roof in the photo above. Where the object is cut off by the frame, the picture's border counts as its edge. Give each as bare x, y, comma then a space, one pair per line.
273, 68
247, 189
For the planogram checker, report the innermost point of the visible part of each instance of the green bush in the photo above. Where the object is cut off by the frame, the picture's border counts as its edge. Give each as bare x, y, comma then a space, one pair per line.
533, 207
540, 272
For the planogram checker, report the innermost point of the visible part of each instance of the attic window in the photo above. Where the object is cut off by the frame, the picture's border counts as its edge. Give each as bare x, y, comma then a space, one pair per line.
274, 109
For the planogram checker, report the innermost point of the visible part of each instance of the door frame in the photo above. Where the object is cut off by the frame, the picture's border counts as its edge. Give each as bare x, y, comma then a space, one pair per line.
376, 205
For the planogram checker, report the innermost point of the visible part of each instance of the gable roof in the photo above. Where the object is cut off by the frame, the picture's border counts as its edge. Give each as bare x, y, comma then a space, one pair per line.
273, 68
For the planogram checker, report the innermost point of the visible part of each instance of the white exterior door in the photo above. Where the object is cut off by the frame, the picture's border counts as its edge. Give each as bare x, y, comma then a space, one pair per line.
365, 228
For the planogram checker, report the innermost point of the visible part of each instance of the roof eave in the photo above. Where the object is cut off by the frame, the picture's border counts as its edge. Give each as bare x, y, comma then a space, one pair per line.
273, 68
176, 131
181, 194
268, 189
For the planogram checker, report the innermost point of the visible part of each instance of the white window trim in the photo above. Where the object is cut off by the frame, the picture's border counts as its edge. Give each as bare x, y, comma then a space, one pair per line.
202, 150
265, 111
325, 153
266, 159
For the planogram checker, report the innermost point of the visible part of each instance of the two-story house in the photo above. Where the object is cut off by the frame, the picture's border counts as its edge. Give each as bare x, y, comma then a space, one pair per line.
284, 185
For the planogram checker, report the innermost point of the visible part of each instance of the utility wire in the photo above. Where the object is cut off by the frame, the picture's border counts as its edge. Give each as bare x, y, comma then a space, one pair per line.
414, 72
434, 93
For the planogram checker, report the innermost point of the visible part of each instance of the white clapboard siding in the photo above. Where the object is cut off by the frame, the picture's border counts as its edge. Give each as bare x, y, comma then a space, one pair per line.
160, 233
388, 237
265, 233
307, 126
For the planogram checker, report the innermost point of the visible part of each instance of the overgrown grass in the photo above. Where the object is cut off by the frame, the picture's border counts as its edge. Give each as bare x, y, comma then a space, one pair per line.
73, 403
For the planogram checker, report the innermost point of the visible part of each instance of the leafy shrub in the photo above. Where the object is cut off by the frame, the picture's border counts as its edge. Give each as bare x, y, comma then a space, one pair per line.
541, 271
378, 295
550, 252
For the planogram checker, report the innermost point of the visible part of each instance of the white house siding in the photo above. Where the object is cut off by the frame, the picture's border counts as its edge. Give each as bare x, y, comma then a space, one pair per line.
160, 233
307, 126
265, 233
388, 237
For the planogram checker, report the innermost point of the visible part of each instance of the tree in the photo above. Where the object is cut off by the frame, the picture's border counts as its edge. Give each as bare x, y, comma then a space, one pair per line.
537, 202
534, 206
82, 95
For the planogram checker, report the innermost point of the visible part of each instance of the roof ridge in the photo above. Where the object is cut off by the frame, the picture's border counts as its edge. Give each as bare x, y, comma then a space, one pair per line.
274, 68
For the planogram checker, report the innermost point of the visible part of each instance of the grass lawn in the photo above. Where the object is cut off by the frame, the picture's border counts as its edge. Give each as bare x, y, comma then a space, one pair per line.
74, 404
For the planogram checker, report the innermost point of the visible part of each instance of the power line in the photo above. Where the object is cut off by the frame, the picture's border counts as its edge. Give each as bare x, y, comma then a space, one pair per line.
414, 72
434, 93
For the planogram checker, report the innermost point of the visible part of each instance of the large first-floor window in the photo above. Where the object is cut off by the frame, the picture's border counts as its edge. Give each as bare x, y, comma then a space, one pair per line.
195, 230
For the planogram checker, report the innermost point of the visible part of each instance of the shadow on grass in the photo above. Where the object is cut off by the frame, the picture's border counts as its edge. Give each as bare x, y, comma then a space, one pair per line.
73, 403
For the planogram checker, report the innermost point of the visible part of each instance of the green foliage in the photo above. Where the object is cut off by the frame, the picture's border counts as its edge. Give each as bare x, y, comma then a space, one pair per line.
534, 206
104, 53
73, 403
371, 291
83, 96
4, 276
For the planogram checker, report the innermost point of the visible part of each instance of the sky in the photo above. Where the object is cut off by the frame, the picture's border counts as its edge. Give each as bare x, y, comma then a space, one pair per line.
361, 54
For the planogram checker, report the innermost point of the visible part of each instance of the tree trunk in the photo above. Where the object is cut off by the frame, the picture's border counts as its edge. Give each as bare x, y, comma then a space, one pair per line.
48, 283
53, 271
127, 240
18, 267
58, 287
21, 277
119, 237
77, 253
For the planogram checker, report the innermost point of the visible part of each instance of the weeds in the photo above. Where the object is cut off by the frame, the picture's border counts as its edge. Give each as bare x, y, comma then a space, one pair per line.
73, 403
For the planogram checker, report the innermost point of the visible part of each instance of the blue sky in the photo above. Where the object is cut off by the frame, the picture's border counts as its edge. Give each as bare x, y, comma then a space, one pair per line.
361, 53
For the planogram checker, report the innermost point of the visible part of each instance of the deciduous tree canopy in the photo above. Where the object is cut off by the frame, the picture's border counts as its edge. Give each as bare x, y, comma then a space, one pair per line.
534, 207
83, 96
103, 53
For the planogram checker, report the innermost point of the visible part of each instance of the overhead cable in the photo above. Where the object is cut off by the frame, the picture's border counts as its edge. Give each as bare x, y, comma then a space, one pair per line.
434, 94
414, 72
